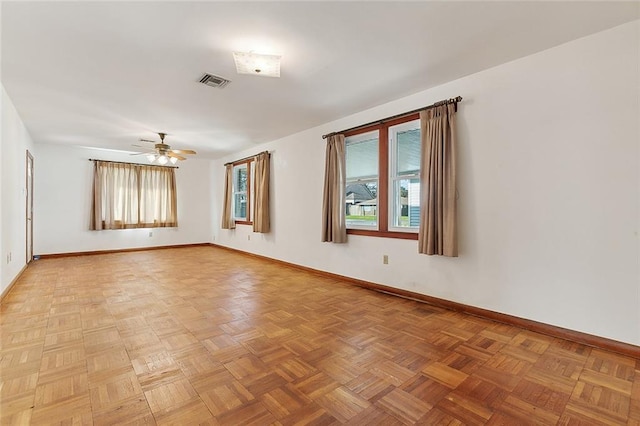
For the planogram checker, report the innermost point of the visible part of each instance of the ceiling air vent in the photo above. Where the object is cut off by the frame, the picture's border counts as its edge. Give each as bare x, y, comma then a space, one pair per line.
214, 81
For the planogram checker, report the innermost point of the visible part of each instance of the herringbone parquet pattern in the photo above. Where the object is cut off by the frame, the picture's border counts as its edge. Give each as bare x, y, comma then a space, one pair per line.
202, 335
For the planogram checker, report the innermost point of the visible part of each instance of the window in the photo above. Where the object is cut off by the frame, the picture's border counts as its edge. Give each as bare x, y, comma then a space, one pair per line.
133, 196
243, 192
240, 202
404, 143
383, 179
362, 180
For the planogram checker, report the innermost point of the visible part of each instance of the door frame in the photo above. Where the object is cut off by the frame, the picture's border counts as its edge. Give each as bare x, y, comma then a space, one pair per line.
29, 208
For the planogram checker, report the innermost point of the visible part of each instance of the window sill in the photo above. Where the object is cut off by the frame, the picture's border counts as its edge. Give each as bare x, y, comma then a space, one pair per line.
243, 222
384, 234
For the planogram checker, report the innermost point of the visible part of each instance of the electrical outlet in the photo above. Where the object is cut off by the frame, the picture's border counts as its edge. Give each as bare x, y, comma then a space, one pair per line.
150, 233
385, 259
249, 237
10, 257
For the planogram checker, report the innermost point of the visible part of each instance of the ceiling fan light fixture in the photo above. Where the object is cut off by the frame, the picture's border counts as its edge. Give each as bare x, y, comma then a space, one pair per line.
162, 154
257, 64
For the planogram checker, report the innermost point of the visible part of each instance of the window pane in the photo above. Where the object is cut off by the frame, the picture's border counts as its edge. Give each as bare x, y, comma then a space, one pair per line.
362, 155
240, 206
240, 192
406, 203
240, 178
252, 189
408, 155
362, 204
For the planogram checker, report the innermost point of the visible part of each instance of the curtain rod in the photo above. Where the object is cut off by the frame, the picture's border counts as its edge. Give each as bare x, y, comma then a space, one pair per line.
393, 117
135, 164
246, 158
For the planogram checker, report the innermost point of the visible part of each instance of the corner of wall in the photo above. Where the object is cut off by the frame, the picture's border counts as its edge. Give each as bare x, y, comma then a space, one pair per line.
14, 142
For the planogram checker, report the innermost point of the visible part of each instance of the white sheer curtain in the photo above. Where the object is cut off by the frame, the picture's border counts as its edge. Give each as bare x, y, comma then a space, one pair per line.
133, 196
158, 204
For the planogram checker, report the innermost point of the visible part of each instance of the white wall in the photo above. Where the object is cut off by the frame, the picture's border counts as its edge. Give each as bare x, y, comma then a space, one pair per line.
14, 142
62, 198
549, 212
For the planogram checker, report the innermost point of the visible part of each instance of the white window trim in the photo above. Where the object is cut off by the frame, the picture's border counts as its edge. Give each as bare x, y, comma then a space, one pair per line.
394, 177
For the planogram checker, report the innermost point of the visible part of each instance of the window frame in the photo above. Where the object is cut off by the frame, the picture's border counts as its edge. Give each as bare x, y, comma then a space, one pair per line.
395, 176
384, 178
250, 166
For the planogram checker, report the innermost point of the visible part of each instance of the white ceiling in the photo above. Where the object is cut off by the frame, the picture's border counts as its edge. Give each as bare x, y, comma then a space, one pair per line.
105, 74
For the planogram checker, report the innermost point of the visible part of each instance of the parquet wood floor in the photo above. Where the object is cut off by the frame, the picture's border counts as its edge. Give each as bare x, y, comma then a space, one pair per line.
202, 335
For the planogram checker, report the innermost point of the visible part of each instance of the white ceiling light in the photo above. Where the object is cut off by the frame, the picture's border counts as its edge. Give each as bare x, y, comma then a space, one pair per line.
161, 159
257, 64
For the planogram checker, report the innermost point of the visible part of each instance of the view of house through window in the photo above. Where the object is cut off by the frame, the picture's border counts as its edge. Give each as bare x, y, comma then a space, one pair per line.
362, 180
383, 178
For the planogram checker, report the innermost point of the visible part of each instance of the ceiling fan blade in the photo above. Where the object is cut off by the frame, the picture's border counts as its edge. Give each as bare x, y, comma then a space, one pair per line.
183, 151
147, 140
140, 153
173, 154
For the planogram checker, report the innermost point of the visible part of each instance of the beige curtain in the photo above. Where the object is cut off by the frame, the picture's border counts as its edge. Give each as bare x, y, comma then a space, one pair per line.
158, 202
334, 227
261, 221
438, 231
96, 199
133, 196
115, 196
227, 211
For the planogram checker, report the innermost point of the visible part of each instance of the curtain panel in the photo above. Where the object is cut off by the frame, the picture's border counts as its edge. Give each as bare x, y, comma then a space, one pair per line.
438, 208
158, 203
334, 227
228, 221
133, 196
261, 219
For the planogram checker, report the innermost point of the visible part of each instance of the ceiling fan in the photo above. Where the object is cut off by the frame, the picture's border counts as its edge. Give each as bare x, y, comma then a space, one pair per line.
162, 153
